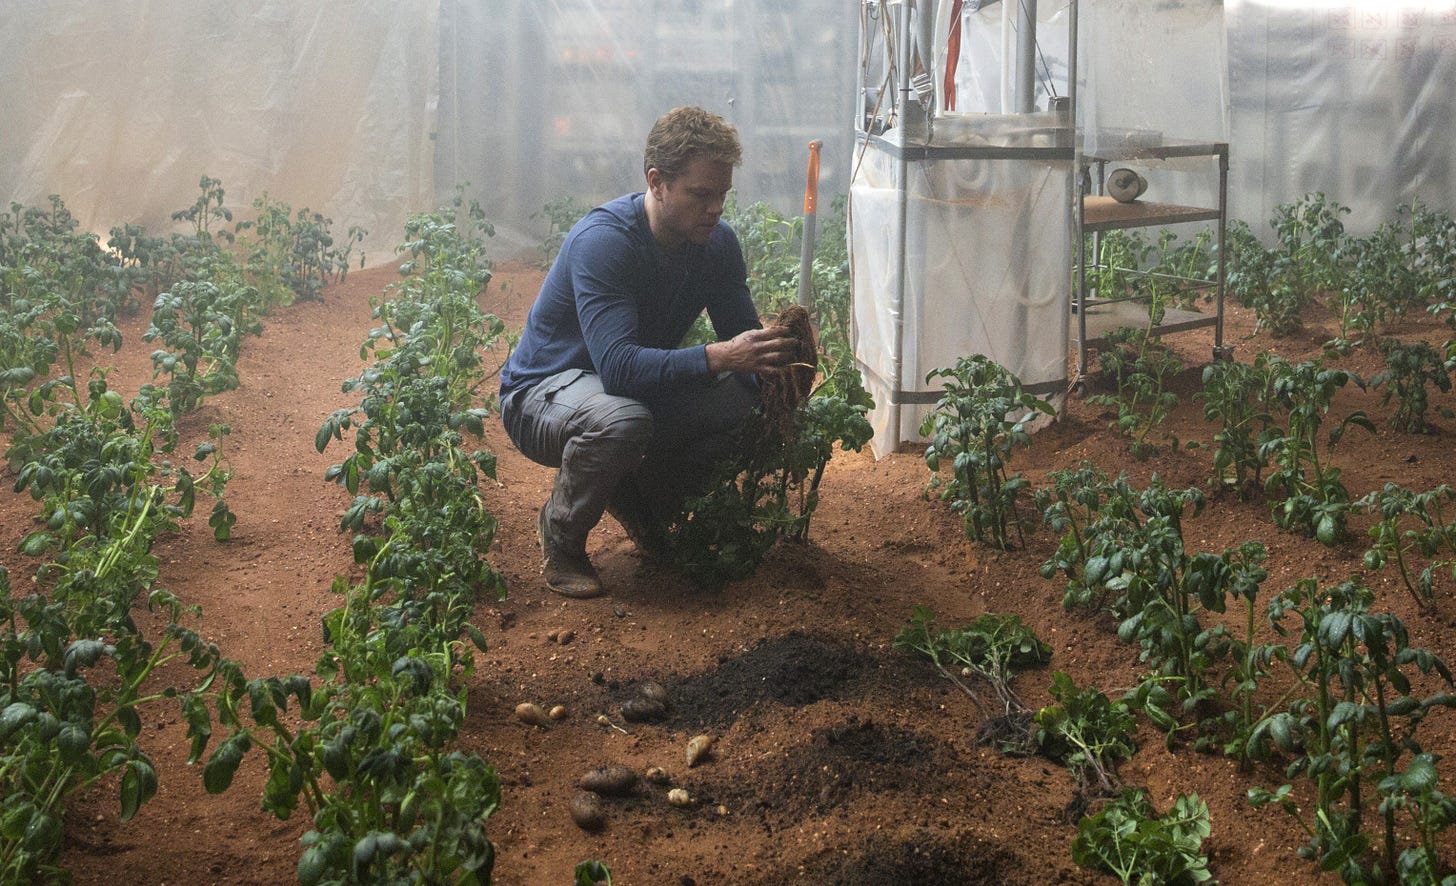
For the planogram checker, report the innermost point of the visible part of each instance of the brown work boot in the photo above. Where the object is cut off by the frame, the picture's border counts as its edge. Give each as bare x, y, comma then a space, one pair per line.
568, 574
629, 508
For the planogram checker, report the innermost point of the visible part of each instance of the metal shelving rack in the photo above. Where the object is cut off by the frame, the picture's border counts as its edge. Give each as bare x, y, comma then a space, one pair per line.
1096, 214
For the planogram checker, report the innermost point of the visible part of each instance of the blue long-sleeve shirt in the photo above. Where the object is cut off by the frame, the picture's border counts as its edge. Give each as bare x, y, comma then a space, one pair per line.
614, 303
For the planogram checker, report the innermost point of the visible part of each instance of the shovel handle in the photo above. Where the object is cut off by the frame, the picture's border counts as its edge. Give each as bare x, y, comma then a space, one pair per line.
811, 186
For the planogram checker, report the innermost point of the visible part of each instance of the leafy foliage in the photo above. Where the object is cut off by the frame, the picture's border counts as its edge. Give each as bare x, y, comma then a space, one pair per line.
1238, 396
73, 662
369, 753
1409, 370
1141, 367
1087, 732
1164, 270
980, 417
293, 257
1396, 507
560, 215
1354, 715
1306, 492
1128, 838
767, 490
992, 648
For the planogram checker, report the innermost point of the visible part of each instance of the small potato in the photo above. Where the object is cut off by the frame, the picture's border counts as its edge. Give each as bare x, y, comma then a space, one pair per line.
587, 812
698, 747
610, 781
532, 714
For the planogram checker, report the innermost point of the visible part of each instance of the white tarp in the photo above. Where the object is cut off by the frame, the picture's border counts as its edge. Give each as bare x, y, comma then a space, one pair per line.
986, 248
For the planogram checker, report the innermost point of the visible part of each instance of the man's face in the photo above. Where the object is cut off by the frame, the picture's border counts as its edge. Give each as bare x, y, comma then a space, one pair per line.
689, 207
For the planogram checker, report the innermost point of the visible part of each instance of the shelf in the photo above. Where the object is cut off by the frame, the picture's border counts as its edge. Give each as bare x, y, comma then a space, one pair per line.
1106, 214
1103, 317
1162, 150
1092, 319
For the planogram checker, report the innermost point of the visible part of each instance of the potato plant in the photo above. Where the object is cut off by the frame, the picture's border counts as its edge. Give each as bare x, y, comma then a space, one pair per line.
1087, 732
1128, 838
1238, 397
767, 490
993, 648
1095, 515
1396, 508
560, 216
1306, 493
55, 307
292, 257
980, 418
1131, 266
201, 324
1353, 718
1142, 367
104, 500
1410, 369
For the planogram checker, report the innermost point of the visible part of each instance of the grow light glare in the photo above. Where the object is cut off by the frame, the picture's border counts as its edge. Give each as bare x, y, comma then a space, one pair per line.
1445, 7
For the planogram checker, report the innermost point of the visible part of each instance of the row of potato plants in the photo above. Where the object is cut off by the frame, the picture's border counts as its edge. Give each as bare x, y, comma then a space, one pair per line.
1405, 266
1348, 713
76, 665
368, 749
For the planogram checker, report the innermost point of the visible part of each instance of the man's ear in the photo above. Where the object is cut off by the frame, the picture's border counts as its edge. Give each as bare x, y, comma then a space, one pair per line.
655, 182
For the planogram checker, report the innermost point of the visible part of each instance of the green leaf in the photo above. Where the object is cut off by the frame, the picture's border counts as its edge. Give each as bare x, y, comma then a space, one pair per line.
217, 774
138, 785
593, 873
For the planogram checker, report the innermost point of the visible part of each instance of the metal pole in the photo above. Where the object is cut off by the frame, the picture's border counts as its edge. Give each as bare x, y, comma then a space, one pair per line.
902, 214
806, 250
1220, 351
1025, 56
1079, 295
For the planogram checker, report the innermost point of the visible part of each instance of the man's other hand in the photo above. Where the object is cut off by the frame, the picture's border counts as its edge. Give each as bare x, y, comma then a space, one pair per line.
755, 351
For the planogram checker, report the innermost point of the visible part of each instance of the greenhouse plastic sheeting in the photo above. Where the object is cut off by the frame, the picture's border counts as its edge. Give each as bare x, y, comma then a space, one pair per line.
1151, 72
121, 107
1353, 98
987, 247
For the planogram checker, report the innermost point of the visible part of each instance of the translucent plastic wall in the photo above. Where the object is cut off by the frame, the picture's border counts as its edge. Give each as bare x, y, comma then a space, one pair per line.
1154, 76
1356, 99
1150, 72
368, 110
121, 107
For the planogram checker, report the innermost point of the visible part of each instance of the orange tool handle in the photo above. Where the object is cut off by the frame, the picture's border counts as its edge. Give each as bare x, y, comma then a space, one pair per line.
811, 187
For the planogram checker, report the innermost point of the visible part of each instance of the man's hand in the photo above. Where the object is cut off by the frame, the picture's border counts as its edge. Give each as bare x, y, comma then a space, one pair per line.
755, 351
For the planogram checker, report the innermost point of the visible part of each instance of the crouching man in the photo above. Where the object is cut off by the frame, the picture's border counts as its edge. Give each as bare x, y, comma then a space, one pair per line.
598, 387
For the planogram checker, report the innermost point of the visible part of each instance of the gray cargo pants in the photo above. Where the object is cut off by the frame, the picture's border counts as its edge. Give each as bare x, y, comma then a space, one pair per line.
607, 446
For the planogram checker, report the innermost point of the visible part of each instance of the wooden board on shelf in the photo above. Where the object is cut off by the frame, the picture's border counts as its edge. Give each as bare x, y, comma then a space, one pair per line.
1106, 214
